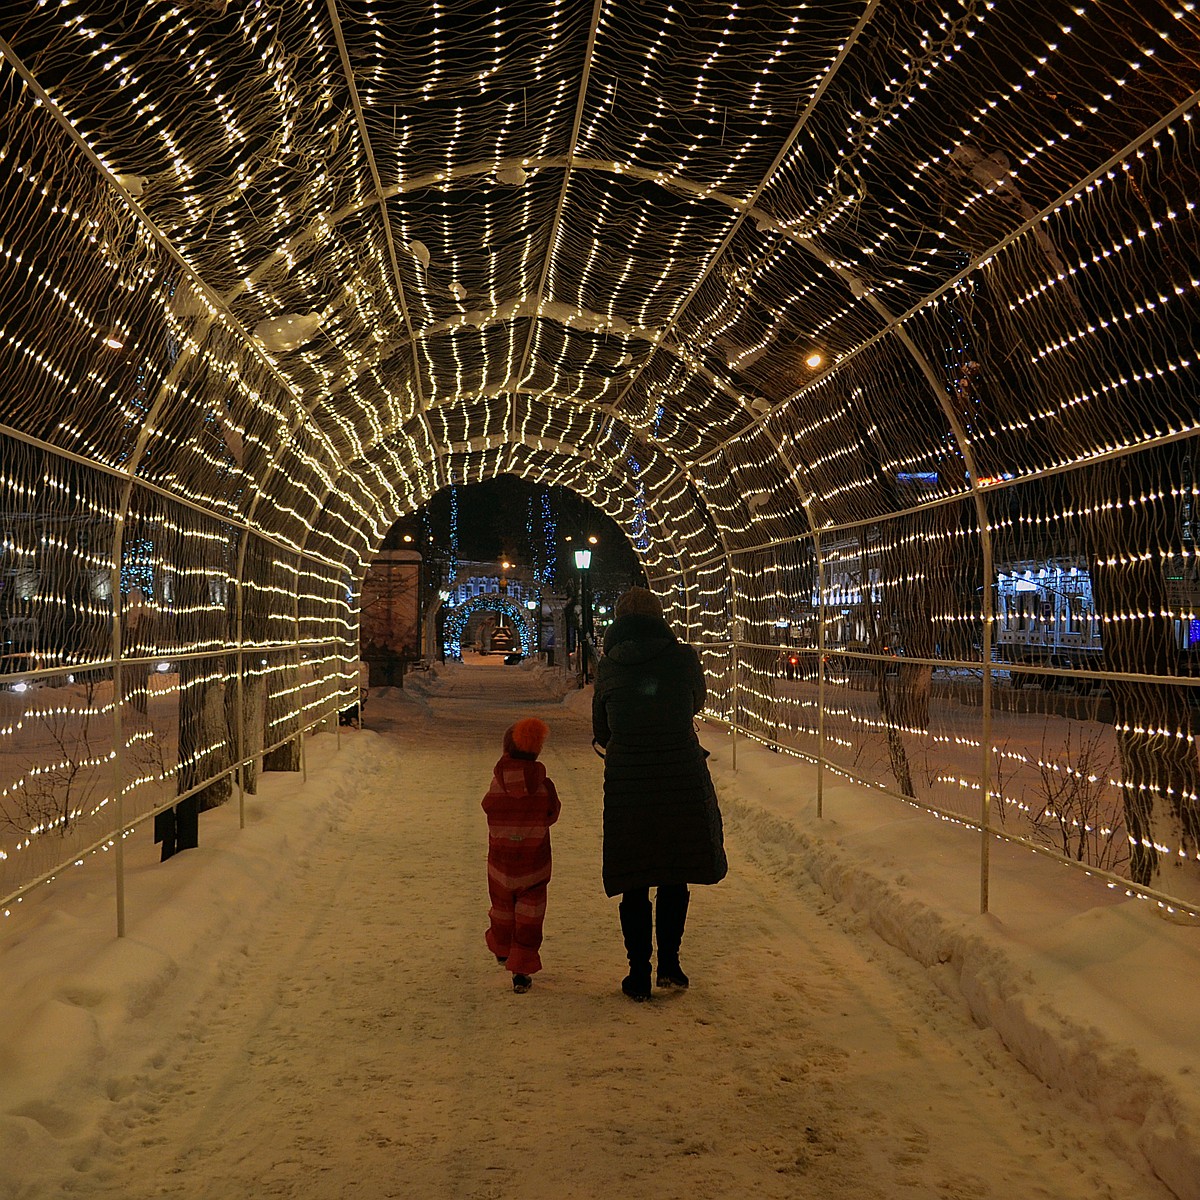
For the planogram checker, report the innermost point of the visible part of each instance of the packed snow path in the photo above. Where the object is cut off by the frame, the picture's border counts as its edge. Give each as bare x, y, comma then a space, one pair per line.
356, 1038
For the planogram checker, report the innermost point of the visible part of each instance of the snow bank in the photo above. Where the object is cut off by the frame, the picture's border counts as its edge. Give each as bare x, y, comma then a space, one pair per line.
72, 990
1099, 1004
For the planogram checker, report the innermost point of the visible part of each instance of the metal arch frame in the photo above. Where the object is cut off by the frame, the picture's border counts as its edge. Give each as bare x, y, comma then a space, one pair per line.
744, 208
441, 450
510, 310
977, 491
128, 471
556, 223
892, 322
684, 565
568, 452
492, 602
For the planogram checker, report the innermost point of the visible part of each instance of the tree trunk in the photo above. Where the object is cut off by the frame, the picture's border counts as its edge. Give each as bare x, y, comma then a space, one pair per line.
203, 731
1155, 726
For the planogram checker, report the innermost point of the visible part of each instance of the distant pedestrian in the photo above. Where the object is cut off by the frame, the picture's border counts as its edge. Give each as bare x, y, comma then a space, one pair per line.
521, 805
662, 825
391, 660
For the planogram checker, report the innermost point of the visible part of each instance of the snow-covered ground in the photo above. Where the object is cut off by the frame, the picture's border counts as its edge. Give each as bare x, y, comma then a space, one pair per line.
1054, 774
305, 1008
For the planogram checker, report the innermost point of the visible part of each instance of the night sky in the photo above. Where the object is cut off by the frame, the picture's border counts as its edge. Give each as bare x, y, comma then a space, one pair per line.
492, 524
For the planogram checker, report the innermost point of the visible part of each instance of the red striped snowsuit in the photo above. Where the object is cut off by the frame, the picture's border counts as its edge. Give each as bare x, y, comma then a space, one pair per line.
521, 805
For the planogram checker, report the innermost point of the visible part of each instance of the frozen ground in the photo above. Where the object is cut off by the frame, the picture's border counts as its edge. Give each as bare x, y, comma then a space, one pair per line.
305, 1008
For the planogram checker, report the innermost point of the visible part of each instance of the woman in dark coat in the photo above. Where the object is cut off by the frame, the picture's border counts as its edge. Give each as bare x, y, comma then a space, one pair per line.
662, 826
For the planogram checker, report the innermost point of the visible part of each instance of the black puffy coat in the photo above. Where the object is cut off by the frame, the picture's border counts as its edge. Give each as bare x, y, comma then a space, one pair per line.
661, 820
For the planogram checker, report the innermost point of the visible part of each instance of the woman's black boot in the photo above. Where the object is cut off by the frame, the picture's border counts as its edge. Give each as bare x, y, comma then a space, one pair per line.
636, 922
670, 915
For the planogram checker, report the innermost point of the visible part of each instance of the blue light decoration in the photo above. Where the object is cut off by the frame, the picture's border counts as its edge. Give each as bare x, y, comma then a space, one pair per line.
638, 526
1046, 612
541, 535
549, 541
137, 566
456, 622
453, 532
535, 549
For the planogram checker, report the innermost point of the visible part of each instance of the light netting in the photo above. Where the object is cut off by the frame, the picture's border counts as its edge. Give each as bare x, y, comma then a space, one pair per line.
872, 324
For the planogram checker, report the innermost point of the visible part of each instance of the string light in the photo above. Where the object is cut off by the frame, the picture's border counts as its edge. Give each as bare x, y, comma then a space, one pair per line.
766, 294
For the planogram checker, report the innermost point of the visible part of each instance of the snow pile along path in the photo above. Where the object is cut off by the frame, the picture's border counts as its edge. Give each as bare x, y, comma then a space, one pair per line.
1093, 992
306, 1009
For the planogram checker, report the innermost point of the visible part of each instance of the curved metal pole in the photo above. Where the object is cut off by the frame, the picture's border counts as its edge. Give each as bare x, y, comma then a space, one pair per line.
619, 482
556, 221
764, 220
821, 619
789, 142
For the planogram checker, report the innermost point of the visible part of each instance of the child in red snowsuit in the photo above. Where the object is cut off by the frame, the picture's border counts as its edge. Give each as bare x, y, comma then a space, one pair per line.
521, 805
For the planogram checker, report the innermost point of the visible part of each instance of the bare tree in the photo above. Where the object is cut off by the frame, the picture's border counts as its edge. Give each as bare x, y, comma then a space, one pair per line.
1070, 813
62, 788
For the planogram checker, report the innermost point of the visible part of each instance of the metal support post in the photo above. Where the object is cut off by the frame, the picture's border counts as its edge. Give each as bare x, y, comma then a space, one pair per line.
118, 775
820, 675
985, 773
734, 695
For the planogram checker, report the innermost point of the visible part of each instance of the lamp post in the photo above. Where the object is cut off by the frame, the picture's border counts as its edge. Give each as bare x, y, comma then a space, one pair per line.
534, 608
583, 562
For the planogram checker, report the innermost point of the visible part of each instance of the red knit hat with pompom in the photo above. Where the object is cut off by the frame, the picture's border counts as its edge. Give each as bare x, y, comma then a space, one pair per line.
529, 735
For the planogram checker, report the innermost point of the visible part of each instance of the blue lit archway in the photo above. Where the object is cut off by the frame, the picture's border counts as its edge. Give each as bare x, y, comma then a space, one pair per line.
457, 617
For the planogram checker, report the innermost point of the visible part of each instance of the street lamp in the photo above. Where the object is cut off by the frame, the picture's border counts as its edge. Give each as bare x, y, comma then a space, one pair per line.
583, 561
535, 615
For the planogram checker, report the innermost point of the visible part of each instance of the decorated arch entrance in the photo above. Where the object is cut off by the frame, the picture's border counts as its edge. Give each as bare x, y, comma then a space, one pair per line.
457, 617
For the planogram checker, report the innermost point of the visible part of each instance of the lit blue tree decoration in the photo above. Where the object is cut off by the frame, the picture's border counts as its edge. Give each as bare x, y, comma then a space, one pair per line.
456, 622
453, 533
542, 547
137, 566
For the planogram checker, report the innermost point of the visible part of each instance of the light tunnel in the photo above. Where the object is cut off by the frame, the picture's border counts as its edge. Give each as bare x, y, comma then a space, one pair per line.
872, 325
